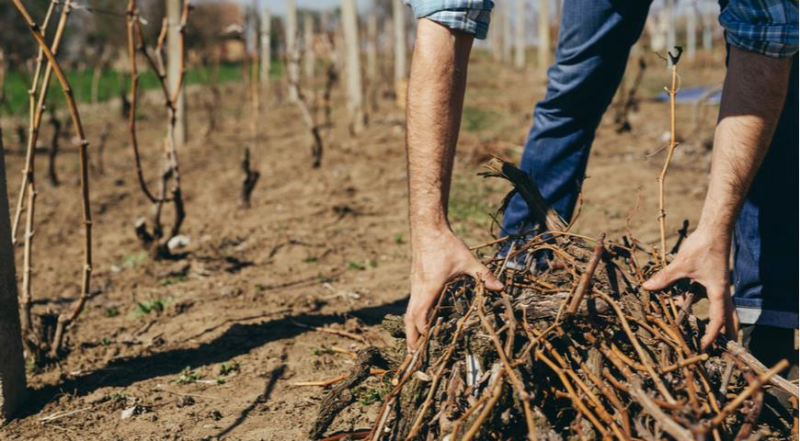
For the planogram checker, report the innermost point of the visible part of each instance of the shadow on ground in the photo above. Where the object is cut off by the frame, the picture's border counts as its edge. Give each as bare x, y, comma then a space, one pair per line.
237, 340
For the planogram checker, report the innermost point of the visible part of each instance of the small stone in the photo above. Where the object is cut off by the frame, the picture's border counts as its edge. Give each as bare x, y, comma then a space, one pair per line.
130, 412
185, 400
178, 242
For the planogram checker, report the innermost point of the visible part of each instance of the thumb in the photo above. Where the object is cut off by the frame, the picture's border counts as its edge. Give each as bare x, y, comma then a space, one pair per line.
664, 278
480, 271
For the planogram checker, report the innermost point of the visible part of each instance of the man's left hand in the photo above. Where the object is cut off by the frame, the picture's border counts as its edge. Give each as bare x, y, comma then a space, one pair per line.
704, 258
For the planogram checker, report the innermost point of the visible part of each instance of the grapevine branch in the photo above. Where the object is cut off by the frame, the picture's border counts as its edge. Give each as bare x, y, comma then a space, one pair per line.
28, 193
170, 176
662, 212
66, 318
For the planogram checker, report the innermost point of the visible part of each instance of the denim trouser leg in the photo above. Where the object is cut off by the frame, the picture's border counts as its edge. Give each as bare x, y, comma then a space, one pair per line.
594, 41
766, 237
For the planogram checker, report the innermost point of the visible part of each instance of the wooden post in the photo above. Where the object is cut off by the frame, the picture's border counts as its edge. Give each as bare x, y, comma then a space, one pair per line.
291, 49
543, 59
372, 56
708, 26
308, 44
508, 38
691, 31
496, 36
519, 35
669, 19
174, 65
655, 30
266, 47
372, 45
12, 365
355, 95
400, 55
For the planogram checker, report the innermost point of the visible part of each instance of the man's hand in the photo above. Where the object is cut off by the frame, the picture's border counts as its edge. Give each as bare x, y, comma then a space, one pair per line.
704, 258
438, 257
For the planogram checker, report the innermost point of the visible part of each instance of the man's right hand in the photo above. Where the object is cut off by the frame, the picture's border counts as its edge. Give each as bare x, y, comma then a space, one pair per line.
437, 257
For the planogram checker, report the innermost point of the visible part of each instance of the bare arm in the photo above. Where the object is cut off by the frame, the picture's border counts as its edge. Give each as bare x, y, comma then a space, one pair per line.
435, 99
752, 100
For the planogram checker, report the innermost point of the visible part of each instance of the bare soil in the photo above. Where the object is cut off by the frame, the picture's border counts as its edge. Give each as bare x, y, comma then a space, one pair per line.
325, 247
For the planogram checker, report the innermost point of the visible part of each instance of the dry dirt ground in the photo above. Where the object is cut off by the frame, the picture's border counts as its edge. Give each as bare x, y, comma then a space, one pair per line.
207, 347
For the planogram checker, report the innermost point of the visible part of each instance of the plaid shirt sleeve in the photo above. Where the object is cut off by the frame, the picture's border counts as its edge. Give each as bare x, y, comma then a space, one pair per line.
767, 27
470, 16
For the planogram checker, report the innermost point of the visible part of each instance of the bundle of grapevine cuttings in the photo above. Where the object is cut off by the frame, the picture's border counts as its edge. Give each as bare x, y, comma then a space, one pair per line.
572, 347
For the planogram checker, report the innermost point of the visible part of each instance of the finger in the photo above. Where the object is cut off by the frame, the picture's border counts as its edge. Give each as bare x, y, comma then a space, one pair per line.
731, 319
421, 326
664, 278
411, 331
416, 327
491, 282
716, 320
416, 318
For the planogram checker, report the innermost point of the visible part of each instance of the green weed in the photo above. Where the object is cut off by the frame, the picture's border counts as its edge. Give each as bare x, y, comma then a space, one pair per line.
354, 265
174, 280
371, 395
361, 266
228, 367
188, 376
117, 397
132, 260
144, 308
322, 350
326, 279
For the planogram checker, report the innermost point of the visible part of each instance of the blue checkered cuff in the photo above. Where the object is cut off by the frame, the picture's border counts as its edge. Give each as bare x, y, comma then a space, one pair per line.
767, 27
470, 16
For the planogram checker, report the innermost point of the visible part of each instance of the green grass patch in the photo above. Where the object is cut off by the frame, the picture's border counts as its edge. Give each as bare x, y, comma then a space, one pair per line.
112, 84
475, 119
473, 202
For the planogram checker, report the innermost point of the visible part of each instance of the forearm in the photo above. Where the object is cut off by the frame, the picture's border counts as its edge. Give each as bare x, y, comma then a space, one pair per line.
435, 100
752, 100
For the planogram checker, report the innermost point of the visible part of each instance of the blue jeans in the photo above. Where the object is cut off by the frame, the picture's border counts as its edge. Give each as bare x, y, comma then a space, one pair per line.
595, 38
